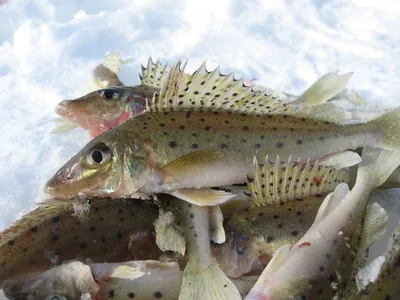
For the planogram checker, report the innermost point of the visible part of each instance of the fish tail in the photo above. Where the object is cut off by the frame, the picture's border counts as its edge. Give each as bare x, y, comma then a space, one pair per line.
378, 164
209, 283
389, 126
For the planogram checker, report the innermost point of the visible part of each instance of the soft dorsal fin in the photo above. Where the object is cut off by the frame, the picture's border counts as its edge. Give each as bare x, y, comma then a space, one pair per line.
326, 87
154, 75
204, 90
283, 181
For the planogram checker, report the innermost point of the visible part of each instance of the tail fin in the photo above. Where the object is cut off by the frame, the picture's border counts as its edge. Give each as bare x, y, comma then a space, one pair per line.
208, 284
389, 127
378, 164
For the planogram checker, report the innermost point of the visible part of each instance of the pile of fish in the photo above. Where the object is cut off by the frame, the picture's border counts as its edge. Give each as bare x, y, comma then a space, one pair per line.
203, 186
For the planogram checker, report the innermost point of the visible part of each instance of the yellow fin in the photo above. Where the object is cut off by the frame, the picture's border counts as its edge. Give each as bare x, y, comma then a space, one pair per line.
206, 90
217, 225
209, 283
168, 235
127, 272
324, 89
279, 181
112, 62
189, 165
154, 75
374, 229
202, 197
63, 126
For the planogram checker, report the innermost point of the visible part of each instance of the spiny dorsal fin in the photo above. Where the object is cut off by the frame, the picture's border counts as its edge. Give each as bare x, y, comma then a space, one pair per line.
154, 75
168, 234
204, 90
280, 181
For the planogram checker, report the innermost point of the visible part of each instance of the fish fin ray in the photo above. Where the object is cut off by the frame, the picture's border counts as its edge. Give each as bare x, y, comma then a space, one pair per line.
206, 90
155, 74
282, 181
209, 283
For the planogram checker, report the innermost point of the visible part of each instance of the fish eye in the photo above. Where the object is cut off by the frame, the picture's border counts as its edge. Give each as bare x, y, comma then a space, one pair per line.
110, 94
97, 155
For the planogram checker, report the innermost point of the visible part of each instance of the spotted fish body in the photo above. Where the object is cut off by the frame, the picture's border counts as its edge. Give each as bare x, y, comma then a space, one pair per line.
128, 280
51, 234
322, 264
253, 236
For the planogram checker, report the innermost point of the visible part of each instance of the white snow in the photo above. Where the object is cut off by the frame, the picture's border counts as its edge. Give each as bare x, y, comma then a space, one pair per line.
49, 47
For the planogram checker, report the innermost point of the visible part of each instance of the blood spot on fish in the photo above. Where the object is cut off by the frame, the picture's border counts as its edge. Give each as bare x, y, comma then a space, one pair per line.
158, 294
305, 244
172, 144
147, 142
131, 295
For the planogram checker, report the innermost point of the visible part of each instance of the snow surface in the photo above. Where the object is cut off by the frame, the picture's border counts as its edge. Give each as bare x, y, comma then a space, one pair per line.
48, 49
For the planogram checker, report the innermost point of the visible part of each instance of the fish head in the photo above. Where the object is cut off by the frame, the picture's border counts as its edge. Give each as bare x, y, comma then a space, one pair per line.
114, 164
103, 109
73, 280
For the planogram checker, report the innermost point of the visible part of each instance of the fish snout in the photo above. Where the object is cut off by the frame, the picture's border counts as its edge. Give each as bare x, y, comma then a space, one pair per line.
63, 108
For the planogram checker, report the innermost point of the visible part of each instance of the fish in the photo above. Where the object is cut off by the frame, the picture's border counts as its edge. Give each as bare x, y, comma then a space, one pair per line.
182, 226
211, 141
141, 280
379, 280
100, 110
278, 214
323, 263
61, 229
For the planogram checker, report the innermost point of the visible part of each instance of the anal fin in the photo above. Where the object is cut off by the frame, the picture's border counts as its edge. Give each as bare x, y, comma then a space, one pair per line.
217, 231
202, 197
